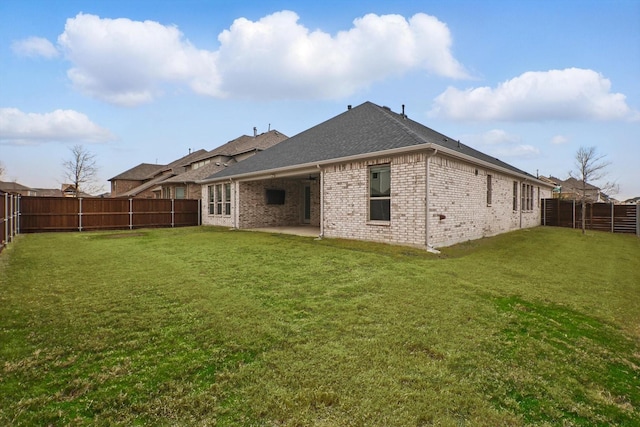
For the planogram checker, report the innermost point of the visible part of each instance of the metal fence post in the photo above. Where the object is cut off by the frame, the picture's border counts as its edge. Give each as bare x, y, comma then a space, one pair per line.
173, 212
80, 214
18, 214
612, 217
130, 214
6, 219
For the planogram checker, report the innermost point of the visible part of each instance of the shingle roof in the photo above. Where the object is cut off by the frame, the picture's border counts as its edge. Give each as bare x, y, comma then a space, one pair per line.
12, 187
242, 144
367, 128
140, 172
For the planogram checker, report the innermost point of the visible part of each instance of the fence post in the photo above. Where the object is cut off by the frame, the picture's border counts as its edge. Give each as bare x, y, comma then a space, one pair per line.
6, 219
80, 214
612, 216
18, 214
544, 211
638, 219
12, 220
173, 213
574, 213
130, 214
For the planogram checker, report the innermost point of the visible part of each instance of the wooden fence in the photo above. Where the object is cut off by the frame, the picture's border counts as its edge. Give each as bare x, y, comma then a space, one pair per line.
42, 214
598, 216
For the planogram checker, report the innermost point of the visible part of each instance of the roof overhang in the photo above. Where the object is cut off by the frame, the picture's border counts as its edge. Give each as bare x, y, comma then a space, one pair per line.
288, 171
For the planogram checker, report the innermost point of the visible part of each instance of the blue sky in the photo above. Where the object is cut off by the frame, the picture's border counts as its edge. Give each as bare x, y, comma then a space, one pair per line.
145, 81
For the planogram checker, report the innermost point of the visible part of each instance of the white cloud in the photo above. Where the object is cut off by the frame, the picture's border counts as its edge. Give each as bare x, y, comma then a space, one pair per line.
569, 94
129, 62
276, 57
559, 139
34, 47
17, 127
502, 144
126, 62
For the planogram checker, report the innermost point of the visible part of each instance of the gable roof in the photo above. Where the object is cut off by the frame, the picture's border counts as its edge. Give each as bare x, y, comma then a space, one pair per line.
12, 187
357, 132
240, 145
140, 172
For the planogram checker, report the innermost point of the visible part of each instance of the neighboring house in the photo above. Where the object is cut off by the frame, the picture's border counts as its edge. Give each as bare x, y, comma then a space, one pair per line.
15, 188
66, 190
143, 181
571, 189
177, 180
372, 174
184, 186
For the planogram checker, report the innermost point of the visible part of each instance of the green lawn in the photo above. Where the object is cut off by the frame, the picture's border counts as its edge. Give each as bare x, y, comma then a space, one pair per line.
204, 326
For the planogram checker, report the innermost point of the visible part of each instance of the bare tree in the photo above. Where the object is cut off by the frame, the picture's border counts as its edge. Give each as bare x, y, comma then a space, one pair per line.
81, 170
590, 167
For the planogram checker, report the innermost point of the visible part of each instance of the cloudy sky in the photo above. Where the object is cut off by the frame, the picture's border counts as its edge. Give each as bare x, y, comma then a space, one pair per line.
145, 81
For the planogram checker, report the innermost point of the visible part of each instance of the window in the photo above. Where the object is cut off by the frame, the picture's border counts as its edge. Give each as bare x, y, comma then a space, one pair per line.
179, 192
219, 199
489, 190
515, 195
166, 192
380, 193
212, 200
526, 198
227, 199
531, 199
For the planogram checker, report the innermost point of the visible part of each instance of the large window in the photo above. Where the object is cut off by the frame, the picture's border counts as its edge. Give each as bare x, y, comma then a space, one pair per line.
526, 197
219, 199
227, 199
380, 193
489, 191
212, 200
515, 195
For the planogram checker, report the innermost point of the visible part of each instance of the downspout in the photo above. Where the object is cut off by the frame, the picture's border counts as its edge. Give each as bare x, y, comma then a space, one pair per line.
236, 203
426, 203
321, 235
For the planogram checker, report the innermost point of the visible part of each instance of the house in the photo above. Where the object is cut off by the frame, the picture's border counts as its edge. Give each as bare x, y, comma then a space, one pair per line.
16, 188
184, 185
376, 175
177, 180
571, 189
143, 181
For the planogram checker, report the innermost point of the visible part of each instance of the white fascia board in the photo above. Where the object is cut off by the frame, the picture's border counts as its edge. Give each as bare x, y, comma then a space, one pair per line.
314, 166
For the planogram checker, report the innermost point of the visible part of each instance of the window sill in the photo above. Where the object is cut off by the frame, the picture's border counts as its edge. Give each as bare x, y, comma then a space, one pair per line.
379, 223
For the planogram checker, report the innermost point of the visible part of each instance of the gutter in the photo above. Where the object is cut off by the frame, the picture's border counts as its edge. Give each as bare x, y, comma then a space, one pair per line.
312, 166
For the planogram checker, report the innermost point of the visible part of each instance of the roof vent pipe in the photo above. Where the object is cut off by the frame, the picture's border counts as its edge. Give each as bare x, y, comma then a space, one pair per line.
255, 131
349, 107
403, 116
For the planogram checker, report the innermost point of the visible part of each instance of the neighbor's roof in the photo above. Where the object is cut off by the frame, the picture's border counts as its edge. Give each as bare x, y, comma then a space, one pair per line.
240, 145
12, 187
140, 172
367, 128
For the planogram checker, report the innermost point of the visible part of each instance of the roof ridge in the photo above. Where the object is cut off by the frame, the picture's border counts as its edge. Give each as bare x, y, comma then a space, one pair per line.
403, 125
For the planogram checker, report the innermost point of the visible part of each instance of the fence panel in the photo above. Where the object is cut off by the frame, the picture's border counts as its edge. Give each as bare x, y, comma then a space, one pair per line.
598, 216
39, 214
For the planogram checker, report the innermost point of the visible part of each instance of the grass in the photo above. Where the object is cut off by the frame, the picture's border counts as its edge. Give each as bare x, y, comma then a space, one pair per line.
204, 326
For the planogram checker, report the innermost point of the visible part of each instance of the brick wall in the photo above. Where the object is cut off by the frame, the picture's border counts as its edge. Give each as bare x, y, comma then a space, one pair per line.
254, 211
346, 201
458, 209
458, 191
